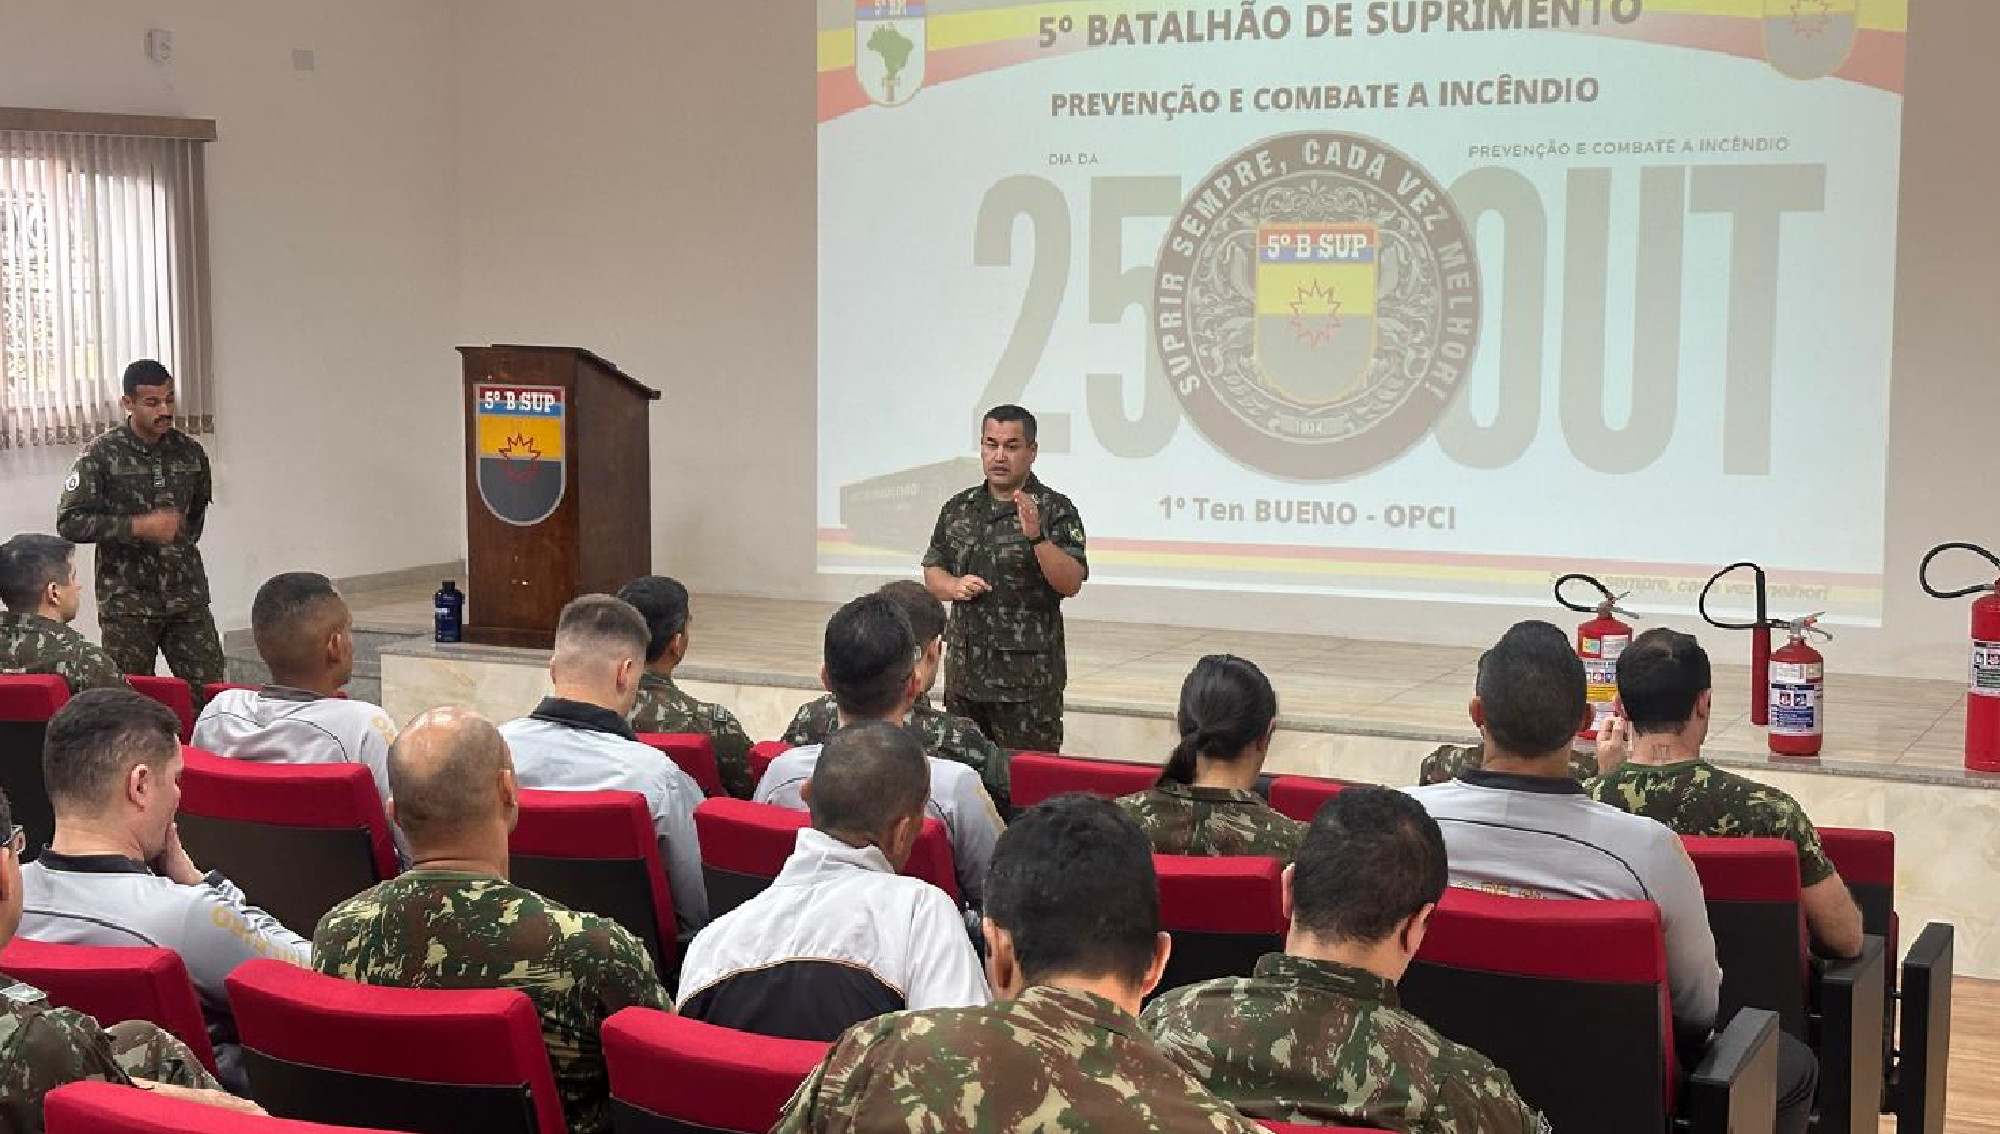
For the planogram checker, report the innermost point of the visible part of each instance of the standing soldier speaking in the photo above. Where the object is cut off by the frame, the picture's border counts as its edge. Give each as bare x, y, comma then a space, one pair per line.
1005, 554
140, 493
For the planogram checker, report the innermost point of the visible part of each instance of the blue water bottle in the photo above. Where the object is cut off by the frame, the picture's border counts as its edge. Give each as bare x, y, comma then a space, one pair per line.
449, 614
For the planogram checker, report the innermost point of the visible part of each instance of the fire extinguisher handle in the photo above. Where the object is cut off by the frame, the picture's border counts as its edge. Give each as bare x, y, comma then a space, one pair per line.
1762, 621
1924, 570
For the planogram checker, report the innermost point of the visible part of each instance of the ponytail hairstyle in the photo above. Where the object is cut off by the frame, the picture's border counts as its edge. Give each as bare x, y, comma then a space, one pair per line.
1227, 704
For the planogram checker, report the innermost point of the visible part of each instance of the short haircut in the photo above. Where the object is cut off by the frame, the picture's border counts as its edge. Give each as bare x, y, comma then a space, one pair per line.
442, 772
868, 776
1371, 858
599, 629
1072, 882
1660, 676
291, 617
93, 741
1532, 687
145, 372
663, 603
920, 606
870, 653
28, 564
1009, 414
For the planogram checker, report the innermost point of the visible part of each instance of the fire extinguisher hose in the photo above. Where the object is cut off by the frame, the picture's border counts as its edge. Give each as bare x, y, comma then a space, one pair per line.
1609, 603
1924, 570
1762, 620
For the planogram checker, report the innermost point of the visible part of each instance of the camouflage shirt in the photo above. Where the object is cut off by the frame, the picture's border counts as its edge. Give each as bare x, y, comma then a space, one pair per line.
447, 929
665, 707
1182, 819
946, 736
30, 643
1316, 1042
43, 1047
1007, 644
1450, 759
1049, 1060
1694, 797
118, 477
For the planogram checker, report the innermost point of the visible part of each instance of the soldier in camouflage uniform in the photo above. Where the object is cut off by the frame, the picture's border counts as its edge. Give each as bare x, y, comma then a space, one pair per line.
453, 920
663, 706
140, 492
1005, 554
1073, 944
1205, 802
1448, 760
38, 585
1656, 770
1317, 1035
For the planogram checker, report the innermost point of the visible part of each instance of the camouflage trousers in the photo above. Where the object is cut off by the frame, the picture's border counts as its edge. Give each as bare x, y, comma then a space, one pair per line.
1021, 726
188, 639
144, 1051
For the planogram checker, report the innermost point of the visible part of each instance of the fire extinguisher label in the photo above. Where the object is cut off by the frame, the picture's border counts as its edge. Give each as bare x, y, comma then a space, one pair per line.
1795, 705
1794, 673
1602, 678
1985, 679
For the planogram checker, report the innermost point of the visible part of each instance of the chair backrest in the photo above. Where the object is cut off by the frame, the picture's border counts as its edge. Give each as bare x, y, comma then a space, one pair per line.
597, 851
114, 984
1223, 913
1531, 983
1035, 776
175, 694
298, 838
1751, 887
27, 701
931, 859
1866, 861
694, 752
430, 1061
743, 846
1301, 797
91, 1107
761, 755
672, 1075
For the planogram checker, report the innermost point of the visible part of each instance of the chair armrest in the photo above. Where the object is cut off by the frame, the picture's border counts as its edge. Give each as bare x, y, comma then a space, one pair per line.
1916, 1086
1849, 1030
1734, 1089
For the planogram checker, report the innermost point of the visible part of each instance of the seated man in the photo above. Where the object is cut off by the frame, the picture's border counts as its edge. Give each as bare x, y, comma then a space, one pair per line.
453, 921
115, 873
1658, 772
948, 737
840, 937
38, 585
1317, 1035
577, 740
662, 706
1521, 824
1448, 761
871, 668
1073, 944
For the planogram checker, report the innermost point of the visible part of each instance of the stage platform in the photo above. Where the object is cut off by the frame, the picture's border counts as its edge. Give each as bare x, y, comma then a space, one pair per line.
1359, 710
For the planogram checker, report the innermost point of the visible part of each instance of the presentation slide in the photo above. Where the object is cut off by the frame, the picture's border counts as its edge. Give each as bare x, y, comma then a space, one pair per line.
1424, 299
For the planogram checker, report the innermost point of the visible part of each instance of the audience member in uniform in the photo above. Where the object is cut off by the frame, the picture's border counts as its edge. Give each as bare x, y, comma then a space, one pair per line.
840, 937
1655, 768
116, 873
871, 669
1205, 802
663, 706
1521, 824
1073, 944
454, 921
578, 739
1318, 1035
38, 585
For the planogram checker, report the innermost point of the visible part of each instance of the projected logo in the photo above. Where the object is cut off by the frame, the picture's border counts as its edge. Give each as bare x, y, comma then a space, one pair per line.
519, 431
1809, 39
889, 49
1317, 305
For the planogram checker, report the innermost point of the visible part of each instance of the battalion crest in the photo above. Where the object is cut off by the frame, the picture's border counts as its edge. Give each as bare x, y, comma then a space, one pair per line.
1809, 39
520, 435
889, 49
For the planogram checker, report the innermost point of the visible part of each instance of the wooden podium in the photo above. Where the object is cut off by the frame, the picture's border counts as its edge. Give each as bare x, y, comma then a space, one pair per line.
558, 495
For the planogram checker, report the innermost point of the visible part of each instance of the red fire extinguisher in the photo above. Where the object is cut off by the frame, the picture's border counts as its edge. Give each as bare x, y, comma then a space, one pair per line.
1598, 643
1797, 688
1982, 698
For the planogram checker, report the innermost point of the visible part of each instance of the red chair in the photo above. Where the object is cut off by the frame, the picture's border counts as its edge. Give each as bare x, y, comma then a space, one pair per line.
172, 692
671, 1075
298, 838
1530, 983
931, 859
115, 984
1223, 913
430, 1061
744, 845
1036, 776
761, 755
597, 851
694, 752
27, 701
101, 1108
1301, 797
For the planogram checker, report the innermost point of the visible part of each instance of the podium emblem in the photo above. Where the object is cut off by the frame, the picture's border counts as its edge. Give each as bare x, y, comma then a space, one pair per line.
889, 49
522, 465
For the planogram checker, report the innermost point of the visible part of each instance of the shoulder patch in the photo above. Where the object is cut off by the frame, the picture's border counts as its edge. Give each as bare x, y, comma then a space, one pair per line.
75, 478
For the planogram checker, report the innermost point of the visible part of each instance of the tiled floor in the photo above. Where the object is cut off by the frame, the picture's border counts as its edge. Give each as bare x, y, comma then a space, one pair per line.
1397, 687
